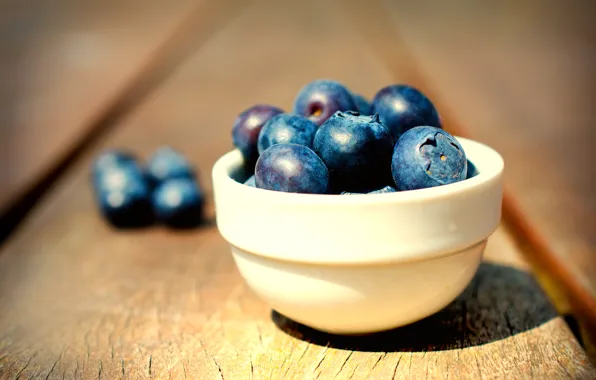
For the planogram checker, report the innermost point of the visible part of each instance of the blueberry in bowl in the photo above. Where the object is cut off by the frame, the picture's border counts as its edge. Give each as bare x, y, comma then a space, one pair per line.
363, 106
427, 157
401, 107
361, 263
247, 127
384, 190
251, 181
287, 129
291, 168
320, 99
471, 172
357, 150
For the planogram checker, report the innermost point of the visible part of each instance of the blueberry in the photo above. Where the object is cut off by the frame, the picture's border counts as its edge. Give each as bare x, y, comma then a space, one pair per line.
472, 171
178, 202
357, 150
111, 158
401, 107
123, 195
320, 99
247, 126
251, 181
167, 163
363, 106
287, 129
291, 168
427, 156
125, 175
386, 189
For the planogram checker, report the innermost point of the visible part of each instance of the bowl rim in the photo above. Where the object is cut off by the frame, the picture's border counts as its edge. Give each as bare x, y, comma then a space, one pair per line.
490, 165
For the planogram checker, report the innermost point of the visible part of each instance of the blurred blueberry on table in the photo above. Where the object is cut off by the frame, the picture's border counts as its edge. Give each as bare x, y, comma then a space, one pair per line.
246, 129
111, 158
178, 202
120, 176
320, 99
357, 150
123, 194
251, 181
167, 163
402, 107
426, 157
287, 129
363, 106
291, 168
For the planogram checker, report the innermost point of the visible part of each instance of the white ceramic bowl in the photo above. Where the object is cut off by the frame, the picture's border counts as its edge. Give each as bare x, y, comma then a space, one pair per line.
357, 264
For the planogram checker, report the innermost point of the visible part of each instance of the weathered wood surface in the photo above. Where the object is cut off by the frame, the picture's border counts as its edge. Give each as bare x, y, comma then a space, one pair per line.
159, 305
519, 76
80, 300
61, 62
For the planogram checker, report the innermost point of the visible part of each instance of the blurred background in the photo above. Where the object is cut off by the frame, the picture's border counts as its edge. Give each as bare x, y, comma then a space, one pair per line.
517, 75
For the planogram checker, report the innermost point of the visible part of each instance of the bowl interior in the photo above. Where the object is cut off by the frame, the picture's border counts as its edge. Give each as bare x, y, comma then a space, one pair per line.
486, 163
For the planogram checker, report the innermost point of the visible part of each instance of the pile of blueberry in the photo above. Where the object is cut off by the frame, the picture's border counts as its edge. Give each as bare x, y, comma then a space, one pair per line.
336, 142
164, 190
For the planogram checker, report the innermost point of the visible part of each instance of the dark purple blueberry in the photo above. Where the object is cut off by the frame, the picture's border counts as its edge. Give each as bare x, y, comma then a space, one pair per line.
291, 168
357, 150
251, 181
427, 157
320, 99
472, 171
287, 129
363, 106
123, 195
167, 163
402, 107
386, 189
247, 126
178, 202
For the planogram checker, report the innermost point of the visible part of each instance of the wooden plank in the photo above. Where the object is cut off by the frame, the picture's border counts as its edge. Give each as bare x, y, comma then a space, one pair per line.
60, 63
137, 314
81, 300
486, 65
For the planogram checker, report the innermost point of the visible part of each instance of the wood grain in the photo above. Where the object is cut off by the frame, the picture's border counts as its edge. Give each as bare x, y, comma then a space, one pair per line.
60, 63
81, 300
134, 314
519, 77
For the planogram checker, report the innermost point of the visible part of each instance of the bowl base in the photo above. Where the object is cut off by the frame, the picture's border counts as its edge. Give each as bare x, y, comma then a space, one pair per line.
359, 299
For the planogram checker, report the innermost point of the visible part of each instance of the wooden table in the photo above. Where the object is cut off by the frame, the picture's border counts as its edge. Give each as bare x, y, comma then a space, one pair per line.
81, 300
